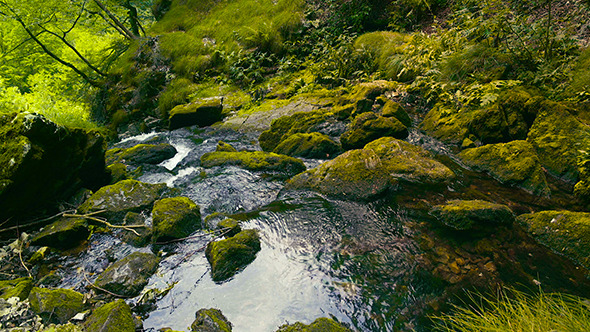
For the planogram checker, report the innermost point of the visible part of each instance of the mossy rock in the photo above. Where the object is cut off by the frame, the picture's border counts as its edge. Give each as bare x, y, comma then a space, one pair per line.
318, 325
368, 127
202, 112
129, 275
469, 215
382, 165
111, 317
56, 305
65, 233
175, 218
118, 172
230, 255
224, 147
495, 125
20, 288
515, 163
559, 139
312, 145
231, 226
254, 161
210, 320
394, 109
141, 154
122, 197
283, 127
69, 327
447, 123
565, 232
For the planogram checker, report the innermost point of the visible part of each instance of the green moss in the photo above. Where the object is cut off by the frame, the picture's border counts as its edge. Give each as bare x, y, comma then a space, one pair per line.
581, 74
118, 172
567, 233
255, 161
201, 112
515, 163
69, 327
313, 145
394, 109
141, 154
20, 288
175, 218
282, 128
177, 92
224, 147
112, 317
475, 214
447, 123
210, 320
231, 225
129, 275
65, 233
318, 325
56, 304
368, 127
230, 255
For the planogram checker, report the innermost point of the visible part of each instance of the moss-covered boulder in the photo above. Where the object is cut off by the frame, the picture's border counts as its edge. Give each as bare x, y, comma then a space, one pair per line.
312, 145
368, 127
475, 214
515, 163
283, 127
56, 305
394, 109
559, 139
65, 233
42, 163
565, 232
20, 288
230, 226
318, 325
384, 164
118, 172
141, 154
202, 112
495, 126
210, 320
224, 147
111, 317
175, 218
254, 161
447, 123
122, 197
230, 255
129, 275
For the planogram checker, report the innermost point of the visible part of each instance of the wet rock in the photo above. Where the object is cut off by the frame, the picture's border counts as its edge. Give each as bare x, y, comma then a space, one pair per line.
394, 109
565, 232
368, 127
254, 161
282, 128
42, 163
118, 172
141, 154
202, 112
56, 305
515, 163
231, 226
318, 325
382, 165
175, 218
112, 317
210, 320
129, 275
122, 197
474, 214
225, 147
20, 288
312, 145
145, 233
65, 233
228, 256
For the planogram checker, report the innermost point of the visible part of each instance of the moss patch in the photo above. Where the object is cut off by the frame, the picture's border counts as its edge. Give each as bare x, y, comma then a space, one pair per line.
202, 112
175, 218
112, 317
312, 145
475, 214
318, 325
20, 288
141, 154
255, 161
368, 127
58, 305
128, 275
447, 123
282, 128
228, 256
64, 233
210, 320
224, 147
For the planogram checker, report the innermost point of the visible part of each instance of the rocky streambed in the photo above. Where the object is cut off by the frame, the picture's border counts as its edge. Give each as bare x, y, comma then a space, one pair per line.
352, 211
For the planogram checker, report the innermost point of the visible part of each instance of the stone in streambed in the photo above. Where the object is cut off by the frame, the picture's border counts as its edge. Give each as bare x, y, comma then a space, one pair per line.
112, 317
368, 127
20, 288
474, 214
210, 320
254, 161
175, 218
312, 145
202, 112
65, 233
141, 154
230, 255
318, 325
57, 305
129, 275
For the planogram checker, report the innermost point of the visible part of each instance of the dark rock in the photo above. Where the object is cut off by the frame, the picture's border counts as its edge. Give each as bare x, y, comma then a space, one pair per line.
141, 154
254, 161
56, 305
318, 325
210, 320
230, 255
65, 233
475, 214
129, 275
118, 172
175, 218
145, 233
313, 145
368, 127
112, 317
203, 112
20, 288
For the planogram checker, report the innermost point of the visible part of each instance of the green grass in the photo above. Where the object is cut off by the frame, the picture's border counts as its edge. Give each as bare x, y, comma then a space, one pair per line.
515, 311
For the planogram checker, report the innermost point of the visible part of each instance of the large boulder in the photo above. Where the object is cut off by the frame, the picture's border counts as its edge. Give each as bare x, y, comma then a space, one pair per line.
318, 325
175, 218
565, 232
230, 255
368, 127
42, 163
470, 215
111, 317
128, 276
141, 154
202, 112
210, 320
20, 288
312, 145
515, 163
65, 233
254, 161
122, 197
381, 165
57, 305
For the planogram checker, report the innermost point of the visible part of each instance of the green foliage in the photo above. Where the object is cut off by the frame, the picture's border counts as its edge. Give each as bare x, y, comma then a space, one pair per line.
407, 15
177, 93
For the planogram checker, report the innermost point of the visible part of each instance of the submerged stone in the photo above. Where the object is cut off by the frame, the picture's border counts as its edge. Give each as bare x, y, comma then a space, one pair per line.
65, 233
475, 214
228, 256
202, 112
175, 218
318, 325
141, 154
381, 165
210, 320
312, 145
254, 161
20, 288
112, 317
515, 163
368, 127
58, 305
565, 232
129, 275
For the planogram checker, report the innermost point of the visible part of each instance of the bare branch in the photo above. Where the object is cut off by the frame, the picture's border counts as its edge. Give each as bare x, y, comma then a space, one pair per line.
116, 21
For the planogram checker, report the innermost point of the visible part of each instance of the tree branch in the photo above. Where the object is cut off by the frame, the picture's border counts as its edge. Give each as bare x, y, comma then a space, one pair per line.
114, 19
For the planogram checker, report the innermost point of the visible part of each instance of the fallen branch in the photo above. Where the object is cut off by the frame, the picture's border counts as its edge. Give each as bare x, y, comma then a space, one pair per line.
34, 222
102, 289
89, 216
20, 257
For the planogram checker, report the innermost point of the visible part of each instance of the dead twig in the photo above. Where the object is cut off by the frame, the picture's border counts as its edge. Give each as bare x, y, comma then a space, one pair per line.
102, 289
20, 257
90, 215
34, 222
